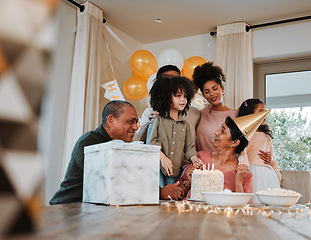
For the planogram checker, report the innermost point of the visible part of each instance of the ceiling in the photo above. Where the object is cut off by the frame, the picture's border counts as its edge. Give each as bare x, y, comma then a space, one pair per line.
182, 18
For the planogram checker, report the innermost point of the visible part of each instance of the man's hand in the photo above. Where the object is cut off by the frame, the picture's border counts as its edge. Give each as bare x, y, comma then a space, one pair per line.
189, 172
171, 190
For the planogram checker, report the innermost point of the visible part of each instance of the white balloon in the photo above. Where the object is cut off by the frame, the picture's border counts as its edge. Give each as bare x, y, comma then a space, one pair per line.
171, 57
150, 81
148, 100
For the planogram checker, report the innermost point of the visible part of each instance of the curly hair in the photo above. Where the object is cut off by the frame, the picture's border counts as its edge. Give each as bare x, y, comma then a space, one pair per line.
162, 90
248, 107
207, 72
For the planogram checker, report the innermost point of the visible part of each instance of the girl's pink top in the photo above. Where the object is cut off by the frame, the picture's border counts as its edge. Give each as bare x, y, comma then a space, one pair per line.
260, 141
229, 177
210, 122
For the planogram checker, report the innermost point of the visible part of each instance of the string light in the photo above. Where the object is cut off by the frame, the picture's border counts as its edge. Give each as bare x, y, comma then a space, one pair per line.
246, 210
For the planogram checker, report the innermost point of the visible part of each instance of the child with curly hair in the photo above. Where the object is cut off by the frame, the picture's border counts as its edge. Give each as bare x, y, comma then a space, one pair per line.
171, 97
263, 164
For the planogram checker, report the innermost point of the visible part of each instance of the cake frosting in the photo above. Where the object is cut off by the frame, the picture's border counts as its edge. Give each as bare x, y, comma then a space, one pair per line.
206, 181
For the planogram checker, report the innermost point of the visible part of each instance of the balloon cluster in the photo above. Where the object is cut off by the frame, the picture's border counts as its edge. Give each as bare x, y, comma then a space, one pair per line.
144, 67
143, 64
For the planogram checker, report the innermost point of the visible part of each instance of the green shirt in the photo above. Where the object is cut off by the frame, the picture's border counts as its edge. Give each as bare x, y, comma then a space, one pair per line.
71, 188
174, 138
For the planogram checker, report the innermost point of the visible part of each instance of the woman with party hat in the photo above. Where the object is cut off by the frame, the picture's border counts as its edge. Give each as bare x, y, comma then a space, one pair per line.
230, 140
263, 164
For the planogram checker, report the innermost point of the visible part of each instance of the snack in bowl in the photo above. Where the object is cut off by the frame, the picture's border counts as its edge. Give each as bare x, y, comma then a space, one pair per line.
226, 198
278, 196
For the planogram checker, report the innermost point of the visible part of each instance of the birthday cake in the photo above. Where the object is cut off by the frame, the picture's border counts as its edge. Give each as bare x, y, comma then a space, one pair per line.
206, 181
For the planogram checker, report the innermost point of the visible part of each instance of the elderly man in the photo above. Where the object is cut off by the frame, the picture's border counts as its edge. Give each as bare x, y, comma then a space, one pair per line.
119, 121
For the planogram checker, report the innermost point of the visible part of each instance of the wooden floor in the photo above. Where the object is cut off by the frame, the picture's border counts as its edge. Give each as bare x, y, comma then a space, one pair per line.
89, 221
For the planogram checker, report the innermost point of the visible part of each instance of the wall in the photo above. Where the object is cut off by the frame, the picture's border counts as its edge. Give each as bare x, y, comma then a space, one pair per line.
120, 59
203, 45
282, 48
282, 41
54, 107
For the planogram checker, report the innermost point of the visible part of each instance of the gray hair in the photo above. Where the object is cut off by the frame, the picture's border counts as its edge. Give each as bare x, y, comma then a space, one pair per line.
114, 108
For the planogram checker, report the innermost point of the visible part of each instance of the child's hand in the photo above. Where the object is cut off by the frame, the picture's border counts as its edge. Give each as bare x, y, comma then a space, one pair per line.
167, 165
196, 161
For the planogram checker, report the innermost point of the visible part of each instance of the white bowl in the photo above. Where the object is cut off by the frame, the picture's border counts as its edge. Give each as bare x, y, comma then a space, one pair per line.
279, 200
226, 199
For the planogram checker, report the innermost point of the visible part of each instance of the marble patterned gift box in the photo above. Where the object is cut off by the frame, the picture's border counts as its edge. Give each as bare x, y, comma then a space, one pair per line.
119, 173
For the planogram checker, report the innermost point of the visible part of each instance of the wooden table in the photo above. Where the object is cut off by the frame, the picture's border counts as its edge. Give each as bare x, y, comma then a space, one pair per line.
90, 221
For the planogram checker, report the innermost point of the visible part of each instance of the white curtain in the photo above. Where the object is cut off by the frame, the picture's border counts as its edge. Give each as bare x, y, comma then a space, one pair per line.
87, 70
234, 55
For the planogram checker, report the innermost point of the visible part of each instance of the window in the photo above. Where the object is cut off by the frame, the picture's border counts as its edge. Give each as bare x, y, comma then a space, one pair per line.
285, 87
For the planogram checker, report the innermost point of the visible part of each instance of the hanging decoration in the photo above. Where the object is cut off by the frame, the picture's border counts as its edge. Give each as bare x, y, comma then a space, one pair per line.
198, 101
116, 37
113, 91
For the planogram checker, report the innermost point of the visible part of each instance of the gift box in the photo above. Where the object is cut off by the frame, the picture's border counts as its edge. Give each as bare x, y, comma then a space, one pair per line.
118, 173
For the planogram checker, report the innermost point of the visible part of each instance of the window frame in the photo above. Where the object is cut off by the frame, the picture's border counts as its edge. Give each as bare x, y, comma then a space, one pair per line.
261, 69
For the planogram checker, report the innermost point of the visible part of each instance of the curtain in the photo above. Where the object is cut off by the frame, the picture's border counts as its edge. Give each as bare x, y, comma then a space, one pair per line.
87, 70
234, 56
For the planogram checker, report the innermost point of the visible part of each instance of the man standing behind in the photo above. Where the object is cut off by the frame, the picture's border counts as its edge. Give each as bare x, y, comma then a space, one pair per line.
119, 121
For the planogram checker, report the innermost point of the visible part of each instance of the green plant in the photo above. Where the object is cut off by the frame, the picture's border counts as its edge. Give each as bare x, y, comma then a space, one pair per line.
291, 139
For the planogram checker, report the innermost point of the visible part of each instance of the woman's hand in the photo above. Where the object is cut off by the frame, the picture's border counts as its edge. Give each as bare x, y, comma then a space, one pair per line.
265, 156
242, 171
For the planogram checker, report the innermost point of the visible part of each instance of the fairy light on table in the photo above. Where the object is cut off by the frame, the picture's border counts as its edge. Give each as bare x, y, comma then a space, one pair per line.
246, 210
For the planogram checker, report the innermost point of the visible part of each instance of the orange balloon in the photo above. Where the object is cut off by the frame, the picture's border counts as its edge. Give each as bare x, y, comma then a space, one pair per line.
135, 88
190, 64
143, 63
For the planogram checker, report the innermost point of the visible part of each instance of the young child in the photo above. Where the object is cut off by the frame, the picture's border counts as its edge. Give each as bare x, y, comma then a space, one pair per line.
263, 164
171, 97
